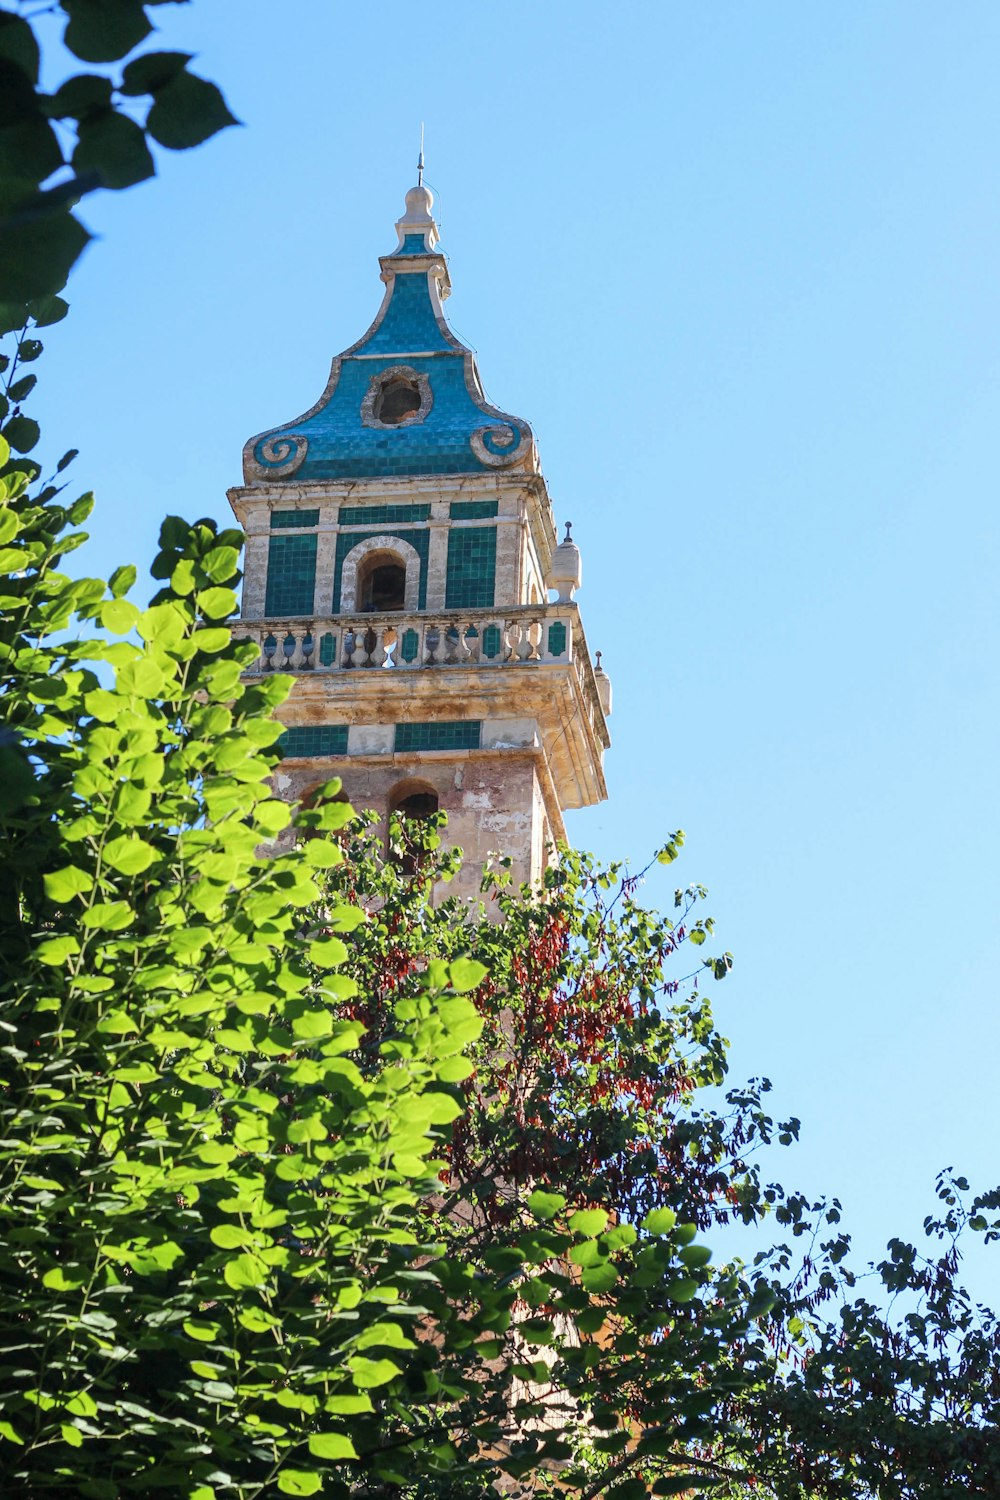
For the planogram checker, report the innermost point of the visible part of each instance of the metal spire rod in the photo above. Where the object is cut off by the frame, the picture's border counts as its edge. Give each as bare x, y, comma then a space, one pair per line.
420, 158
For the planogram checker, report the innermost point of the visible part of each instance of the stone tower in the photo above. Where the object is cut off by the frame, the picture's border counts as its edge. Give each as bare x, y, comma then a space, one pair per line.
401, 549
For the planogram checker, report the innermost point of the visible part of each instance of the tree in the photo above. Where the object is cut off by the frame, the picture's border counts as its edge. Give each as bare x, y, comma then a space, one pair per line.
94, 131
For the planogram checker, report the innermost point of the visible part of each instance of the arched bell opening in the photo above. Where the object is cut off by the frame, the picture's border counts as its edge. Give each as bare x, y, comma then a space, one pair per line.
412, 802
381, 585
380, 575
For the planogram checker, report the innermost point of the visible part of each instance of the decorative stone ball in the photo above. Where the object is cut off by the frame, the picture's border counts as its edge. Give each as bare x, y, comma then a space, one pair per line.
566, 569
419, 202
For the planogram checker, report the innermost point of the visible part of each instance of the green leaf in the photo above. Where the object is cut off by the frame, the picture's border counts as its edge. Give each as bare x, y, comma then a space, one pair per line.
22, 433
591, 1319
762, 1302
149, 73
55, 951
8, 1432
599, 1278
589, 1221
546, 1205
299, 1482
122, 580
18, 45
331, 1445
370, 1373
659, 1221
220, 563
454, 1069
681, 1290
129, 854
108, 916
77, 97
385, 1336
203, 1332
466, 974
63, 885
115, 148
228, 1236
104, 30
118, 615
328, 954
244, 1272
60, 1280
348, 1406
48, 310
217, 603
627, 1489
22, 388
187, 111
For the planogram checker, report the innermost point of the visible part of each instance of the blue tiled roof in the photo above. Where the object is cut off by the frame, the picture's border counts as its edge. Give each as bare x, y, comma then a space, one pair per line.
456, 431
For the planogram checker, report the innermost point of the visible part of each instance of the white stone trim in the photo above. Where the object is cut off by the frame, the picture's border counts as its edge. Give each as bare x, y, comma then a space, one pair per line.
398, 548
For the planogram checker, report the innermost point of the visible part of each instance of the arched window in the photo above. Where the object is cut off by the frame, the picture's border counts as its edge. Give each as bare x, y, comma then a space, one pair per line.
414, 802
398, 401
381, 585
381, 573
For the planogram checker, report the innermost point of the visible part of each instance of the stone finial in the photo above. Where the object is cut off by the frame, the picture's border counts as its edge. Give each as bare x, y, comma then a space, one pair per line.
603, 686
566, 568
417, 217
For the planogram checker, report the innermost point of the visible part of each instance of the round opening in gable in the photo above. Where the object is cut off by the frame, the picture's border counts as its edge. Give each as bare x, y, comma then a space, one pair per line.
398, 401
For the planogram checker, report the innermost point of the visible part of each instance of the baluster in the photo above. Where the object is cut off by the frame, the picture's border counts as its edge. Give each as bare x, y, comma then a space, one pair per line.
269, 646
432, 639
453, 643
390, 643
525, 647
307, 650
350, 644
377, 653
369, 641
288, 646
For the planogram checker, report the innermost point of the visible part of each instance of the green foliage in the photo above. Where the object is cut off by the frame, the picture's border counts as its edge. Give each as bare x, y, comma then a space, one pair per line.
93, 131
207, 1208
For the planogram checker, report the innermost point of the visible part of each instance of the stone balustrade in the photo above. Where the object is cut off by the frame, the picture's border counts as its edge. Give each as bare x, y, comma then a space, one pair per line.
444, 638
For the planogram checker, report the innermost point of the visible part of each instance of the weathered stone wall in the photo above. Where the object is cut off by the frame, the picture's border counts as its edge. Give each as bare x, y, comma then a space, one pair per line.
495, 802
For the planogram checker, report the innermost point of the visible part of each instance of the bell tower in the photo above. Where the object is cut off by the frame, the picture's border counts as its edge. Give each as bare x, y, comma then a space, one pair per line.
401, 551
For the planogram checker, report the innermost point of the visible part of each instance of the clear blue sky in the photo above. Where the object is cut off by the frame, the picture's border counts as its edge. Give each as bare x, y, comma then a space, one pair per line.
738, 264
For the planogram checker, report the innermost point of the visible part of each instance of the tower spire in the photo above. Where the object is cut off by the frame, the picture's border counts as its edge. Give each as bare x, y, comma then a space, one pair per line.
420, 158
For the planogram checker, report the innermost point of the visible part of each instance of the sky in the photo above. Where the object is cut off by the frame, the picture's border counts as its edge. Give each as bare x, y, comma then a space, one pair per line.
737, 264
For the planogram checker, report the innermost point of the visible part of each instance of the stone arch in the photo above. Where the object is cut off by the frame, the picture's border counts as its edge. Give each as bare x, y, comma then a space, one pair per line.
412, 800
373, 551
412, 797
